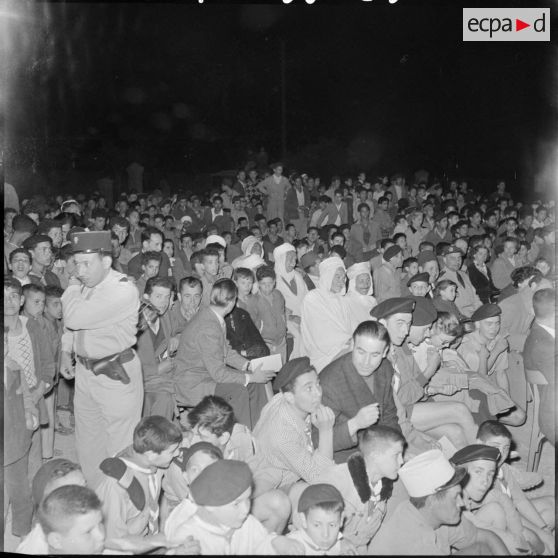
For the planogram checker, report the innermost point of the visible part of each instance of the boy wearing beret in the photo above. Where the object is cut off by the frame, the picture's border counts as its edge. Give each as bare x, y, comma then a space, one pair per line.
219, 515
285, 453
496, 513
320, 509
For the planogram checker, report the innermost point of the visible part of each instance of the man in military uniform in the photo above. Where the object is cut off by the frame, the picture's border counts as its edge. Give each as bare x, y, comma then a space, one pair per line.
100, 309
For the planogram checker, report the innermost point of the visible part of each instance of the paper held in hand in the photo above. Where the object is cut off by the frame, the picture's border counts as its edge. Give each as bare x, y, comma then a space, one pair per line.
271, 362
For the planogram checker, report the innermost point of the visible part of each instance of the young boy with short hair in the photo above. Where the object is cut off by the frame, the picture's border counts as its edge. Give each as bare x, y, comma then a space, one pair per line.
321, 515
537, 514
150, 265
210, 273
269, 312
20, 261
244, 280
72, 521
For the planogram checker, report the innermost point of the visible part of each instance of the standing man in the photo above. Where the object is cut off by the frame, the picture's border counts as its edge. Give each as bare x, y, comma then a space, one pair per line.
100, 308
275, 187
387, 278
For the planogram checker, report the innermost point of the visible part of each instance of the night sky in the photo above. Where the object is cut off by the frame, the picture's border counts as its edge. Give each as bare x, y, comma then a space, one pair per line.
192, 87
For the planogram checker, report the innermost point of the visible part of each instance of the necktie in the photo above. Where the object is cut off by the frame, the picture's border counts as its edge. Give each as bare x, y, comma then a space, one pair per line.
396, 374
153, 505
460, 279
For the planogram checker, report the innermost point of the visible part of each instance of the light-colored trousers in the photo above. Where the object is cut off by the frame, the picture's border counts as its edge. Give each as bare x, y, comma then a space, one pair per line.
106, 413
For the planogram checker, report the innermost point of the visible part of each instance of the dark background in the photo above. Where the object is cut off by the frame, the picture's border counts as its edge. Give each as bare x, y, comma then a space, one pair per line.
189, 89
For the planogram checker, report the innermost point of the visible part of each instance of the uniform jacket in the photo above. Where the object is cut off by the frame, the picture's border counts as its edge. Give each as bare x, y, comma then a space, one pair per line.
205, 358
345, 392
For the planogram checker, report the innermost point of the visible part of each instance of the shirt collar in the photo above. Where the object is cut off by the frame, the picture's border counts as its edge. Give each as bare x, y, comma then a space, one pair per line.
550, 330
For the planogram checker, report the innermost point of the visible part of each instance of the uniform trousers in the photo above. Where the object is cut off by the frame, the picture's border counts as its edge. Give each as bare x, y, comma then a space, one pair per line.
17, 492
106, 413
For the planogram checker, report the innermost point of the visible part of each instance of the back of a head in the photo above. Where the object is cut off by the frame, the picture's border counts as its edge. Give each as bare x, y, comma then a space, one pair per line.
24, 224
214, 414
59, 509
492, 429
224, 291
544, 304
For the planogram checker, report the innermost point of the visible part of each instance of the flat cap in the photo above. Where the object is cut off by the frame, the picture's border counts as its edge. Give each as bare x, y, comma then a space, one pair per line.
424, 312
317, 494
309, 259
221, 483
391, 252
426, 256
424, 277
89, 242
475, 452
400, 305
292, 370
187, 453
486, 311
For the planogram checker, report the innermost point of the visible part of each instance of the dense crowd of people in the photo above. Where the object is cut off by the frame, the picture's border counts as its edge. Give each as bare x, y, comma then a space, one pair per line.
404, 317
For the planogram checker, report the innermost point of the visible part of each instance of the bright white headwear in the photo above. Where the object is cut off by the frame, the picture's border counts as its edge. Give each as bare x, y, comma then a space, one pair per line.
327, 268
252, 262
354, 271
248, 243
215, 238
279, 257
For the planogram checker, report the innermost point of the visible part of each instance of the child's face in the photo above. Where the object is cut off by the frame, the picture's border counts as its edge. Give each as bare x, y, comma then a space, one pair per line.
34, 303
267, 284
211, 265
322, 526
412, 269
151, 269
501, 443
20, 266
244, 285
12, 302
389, 460
419, 288
234, 514
168, 249
449, 293
85, 536
53, 308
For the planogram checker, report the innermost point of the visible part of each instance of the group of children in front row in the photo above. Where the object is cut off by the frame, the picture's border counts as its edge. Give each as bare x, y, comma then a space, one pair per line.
204, 487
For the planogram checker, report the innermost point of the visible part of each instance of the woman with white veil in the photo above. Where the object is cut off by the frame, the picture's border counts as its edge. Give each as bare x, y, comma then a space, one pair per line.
291, 285
325, 324
359, 299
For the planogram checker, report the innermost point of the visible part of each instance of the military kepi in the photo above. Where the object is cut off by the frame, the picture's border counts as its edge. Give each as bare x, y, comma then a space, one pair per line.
399, 305
89, 242
486, 311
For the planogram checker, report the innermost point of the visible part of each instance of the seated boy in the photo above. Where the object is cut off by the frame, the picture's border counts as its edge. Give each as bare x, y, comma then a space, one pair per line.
210, 273
72, 521
219, 516
150, 265
321, 515
131, 485
537, 514
270, 315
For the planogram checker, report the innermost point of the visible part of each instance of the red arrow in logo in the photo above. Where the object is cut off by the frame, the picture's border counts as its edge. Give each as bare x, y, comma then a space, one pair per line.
519, 25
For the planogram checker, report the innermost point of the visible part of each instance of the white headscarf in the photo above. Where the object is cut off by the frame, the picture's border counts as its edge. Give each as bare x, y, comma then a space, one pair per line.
357, 304
215, 238
327, 268
279, 257
354, 271
248, 243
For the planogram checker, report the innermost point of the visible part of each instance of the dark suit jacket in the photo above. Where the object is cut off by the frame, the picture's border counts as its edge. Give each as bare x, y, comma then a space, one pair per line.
291, 203
483, 285
345, 392
222, 222
539, 353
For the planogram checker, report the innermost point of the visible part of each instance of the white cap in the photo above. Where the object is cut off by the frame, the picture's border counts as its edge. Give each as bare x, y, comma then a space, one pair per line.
216, 238
426, 473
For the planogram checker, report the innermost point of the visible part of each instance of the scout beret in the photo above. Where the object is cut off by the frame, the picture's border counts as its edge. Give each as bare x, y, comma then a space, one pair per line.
89, 242
400, 305
424, 312
309, 259
426, 256
452, 250
391, 252
187, 453
424, 277
221, 482
428, 473
475, 452
486, 311
45, 474
292, 370
317, 494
